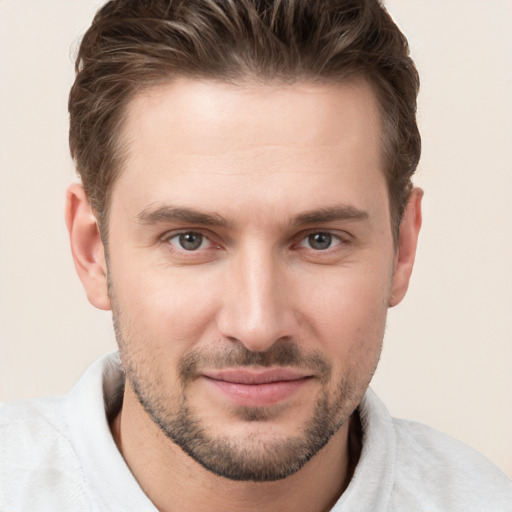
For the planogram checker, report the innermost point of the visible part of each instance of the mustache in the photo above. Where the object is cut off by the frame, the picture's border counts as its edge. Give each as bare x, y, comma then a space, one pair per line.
280, 354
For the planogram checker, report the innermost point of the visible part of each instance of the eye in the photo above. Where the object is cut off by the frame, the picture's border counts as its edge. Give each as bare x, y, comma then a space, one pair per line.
189, 241
320, 241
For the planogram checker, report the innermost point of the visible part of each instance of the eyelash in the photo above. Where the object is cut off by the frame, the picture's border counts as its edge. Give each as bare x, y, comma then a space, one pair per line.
175, 235
332, 237
336, 238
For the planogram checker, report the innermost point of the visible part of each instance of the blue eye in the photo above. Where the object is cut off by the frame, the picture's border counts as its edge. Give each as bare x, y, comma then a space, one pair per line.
189, 241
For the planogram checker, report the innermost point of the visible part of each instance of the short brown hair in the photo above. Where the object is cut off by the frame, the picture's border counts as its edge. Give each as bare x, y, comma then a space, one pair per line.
133, 44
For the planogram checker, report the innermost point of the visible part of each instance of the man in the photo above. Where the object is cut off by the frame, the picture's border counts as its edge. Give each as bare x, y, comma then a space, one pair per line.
247, 213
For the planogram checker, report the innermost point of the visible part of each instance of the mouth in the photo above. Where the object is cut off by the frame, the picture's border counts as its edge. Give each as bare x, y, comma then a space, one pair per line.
257, 387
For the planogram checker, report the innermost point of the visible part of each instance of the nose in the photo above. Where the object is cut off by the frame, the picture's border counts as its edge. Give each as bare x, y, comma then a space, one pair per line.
255, 309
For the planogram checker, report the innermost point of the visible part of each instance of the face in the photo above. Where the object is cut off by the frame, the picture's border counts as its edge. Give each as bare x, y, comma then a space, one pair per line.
251, 266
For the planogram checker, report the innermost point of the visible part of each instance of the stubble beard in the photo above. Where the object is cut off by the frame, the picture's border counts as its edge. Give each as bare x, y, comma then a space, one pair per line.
251, 458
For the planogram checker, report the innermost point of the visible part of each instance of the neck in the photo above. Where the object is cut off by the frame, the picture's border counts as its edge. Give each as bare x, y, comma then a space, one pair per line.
174, 481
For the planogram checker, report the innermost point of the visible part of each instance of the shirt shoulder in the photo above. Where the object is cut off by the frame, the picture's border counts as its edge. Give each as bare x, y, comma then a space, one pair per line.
436, 472
39, 469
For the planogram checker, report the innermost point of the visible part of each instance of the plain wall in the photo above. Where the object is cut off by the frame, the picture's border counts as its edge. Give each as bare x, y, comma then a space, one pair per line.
448, 347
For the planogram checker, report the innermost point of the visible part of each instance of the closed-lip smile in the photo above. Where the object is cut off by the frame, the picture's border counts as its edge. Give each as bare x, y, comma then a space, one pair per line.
257, 387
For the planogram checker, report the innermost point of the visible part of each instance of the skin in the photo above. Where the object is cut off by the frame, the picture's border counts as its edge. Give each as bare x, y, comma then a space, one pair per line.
277, 168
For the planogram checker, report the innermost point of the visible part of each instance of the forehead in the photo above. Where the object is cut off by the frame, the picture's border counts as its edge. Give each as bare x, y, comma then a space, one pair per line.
199, 113
302, 139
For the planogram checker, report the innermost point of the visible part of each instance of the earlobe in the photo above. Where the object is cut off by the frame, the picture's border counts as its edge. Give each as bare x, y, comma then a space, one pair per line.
406, 250
87, 247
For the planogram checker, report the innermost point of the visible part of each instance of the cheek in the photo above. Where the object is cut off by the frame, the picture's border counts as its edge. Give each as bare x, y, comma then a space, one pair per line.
348, 314
165, 308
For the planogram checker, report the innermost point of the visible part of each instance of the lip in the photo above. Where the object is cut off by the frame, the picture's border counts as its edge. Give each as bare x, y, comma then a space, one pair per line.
257, 387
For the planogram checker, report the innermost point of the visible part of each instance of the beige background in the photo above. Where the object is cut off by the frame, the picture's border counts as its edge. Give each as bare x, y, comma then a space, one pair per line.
448, 350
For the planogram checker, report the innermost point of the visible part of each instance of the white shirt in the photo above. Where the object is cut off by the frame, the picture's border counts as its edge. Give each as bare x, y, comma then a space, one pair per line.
58, 455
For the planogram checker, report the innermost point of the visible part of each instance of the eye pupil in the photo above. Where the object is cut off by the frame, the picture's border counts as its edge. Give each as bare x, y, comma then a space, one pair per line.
320, 241
190, 241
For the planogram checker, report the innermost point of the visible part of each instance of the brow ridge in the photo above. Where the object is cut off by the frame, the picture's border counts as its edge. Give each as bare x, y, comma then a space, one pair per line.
330, 214
169, 214
179, 214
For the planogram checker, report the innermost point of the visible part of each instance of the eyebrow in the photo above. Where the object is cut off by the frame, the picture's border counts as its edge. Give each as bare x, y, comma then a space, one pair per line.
169, 214
330, 214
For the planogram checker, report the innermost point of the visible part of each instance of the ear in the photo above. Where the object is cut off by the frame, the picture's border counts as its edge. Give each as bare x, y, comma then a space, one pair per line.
406, 251
87, 247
